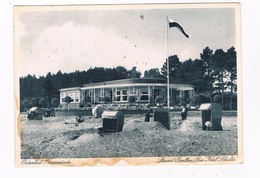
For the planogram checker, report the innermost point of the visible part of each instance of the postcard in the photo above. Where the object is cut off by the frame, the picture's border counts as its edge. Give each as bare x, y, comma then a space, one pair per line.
139, 84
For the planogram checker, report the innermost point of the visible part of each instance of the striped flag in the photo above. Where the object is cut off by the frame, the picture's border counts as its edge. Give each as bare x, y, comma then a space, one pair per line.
175, 24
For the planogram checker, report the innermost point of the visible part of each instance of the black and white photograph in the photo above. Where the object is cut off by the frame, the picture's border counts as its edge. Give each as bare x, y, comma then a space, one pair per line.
156, 84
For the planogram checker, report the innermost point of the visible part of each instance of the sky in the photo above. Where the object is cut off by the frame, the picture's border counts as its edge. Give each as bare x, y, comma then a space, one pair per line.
49, 39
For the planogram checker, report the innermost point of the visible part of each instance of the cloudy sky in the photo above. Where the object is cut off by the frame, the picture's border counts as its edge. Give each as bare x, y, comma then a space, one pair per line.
50, 39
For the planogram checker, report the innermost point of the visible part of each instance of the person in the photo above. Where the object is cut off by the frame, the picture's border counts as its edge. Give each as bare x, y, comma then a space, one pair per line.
79, 119
184, 112
148, 115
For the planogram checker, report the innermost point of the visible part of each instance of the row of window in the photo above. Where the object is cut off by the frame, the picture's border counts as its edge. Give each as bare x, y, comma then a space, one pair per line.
119, 95
140, 94
74, 95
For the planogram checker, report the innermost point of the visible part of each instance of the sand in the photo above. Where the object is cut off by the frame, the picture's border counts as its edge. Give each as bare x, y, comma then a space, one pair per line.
58, 137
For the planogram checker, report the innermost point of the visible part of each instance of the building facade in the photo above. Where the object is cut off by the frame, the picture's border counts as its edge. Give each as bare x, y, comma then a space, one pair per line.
145, 90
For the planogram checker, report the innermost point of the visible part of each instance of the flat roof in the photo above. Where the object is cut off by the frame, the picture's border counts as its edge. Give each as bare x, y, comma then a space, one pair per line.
71, 88
127, 81
133, 82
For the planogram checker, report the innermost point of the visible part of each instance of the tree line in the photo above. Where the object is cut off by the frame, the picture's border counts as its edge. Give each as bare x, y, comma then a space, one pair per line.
49, 85
214, 72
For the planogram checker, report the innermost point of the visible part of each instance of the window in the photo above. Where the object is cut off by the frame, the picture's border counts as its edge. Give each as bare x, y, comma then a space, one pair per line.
102, 95
156, 92
118, 95
143, 94
102, 92
77, 95
63, 95
133, 91
121, 95
124, 95
72, 96
91, 95
85, 93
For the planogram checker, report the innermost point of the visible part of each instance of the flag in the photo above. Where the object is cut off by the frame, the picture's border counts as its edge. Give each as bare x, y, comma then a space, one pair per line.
175, 24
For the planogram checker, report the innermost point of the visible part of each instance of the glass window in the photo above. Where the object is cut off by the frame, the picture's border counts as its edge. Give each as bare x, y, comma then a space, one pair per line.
121, 95
91, 93
77, 95
118, 95
124, 95
102, 92
124, 92
133, 91
144, 94
72, 96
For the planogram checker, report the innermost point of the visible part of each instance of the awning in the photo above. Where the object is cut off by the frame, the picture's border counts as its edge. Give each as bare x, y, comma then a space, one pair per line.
205, 106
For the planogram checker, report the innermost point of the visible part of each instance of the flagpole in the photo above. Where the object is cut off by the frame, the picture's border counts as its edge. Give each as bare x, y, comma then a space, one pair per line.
168, 72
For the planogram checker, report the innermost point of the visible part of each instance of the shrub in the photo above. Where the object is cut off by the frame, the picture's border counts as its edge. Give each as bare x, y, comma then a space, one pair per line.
196, 100
42, 103
55, 102
68, 100
26, 104
131, 99
34, 102
81, 104
151, 99
204, 98
158, 99
217, 99
183, 103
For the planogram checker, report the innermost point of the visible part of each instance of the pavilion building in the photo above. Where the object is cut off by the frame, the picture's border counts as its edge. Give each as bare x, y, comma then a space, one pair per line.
145, 90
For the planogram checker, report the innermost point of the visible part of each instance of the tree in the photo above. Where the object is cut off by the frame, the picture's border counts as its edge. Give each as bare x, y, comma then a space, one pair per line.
98, 74
231, 66
196, 77
153, 73
68, 100
57, 81
48, 88
30, 86
174, 69
206, 57
219, 62
122, 72
133, 73
55, 102
42, 103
